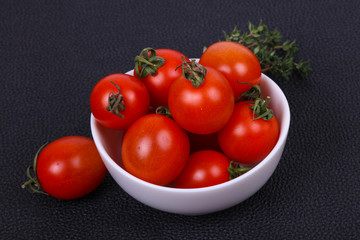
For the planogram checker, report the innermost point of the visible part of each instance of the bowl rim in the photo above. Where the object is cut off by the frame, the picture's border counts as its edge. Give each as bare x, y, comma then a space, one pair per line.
284, 128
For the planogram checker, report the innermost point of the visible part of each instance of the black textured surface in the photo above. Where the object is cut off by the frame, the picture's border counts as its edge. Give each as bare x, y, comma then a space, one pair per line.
53, 52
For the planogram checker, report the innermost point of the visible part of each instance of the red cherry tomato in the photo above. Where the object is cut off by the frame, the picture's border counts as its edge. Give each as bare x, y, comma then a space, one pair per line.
236, 62
204, 168
159, 83
155, 149
246, 140
204, 109
70, 167
133, 105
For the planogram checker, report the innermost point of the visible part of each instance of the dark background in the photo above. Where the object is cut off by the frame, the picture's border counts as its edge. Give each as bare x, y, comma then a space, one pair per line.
53, 52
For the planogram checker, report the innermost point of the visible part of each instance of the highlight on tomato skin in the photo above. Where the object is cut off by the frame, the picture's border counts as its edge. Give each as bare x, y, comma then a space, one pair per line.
155, 149
204, 168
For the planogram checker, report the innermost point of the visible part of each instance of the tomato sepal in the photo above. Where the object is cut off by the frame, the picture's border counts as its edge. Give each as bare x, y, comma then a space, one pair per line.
33, 184
235, 170
164, 110
147, 63
116, 102
260, 105
193, 72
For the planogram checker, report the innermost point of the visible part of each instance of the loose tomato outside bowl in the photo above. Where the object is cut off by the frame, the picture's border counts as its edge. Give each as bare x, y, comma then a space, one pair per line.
197, 201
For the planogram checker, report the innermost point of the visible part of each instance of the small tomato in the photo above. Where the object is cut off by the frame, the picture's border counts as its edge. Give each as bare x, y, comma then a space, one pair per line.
246, 140
204, 106
162, 76
155, 149
204, 168
236, 62
118, 100
68, 168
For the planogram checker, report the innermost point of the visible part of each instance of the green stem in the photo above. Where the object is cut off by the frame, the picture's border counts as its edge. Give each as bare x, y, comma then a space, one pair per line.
147, 63
235, 170
116, 102
163, 111
193, 72
143, 60
260, 105
33, 184
260, 109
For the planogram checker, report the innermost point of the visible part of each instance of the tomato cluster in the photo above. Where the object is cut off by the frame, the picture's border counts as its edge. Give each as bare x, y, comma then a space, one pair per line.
188, 123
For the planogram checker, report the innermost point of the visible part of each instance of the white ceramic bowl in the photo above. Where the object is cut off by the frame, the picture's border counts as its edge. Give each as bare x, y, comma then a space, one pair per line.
201, 200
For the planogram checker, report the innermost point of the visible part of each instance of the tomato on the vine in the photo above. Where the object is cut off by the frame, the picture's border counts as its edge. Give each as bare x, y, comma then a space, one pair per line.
68, 168
155, 149
158, 78
118, 100
202, 100
204, 168
246, 140
236, 62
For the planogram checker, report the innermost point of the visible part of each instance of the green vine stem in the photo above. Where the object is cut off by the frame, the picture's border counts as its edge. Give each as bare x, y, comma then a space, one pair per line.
116, 102
147, 63
235, 169
252, 94
193, 72
260, 109
260, 105
33, 185
163, 111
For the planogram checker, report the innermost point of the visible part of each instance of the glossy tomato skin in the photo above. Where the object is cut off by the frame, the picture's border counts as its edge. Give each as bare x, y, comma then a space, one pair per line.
70, 167
236, 62
204, 168
155, 149
245, 140
204, 109
159, 84
135, 95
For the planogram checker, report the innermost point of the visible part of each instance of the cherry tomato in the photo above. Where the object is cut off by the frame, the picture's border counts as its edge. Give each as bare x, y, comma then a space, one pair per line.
70, 167
204, 109
204, 168
236, 62
159, 83
129, 100
246, 140
155, 149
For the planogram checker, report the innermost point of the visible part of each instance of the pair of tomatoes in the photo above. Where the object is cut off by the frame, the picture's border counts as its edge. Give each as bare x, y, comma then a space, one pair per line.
201, 99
